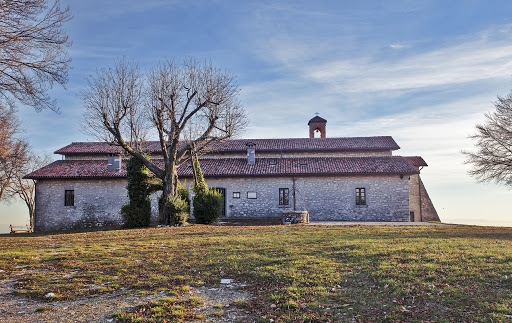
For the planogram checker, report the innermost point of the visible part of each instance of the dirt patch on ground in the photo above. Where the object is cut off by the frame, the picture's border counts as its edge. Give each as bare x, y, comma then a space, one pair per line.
219, 304
222, 304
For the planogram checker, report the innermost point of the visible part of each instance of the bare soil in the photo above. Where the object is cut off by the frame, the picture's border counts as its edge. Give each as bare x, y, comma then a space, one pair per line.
216, 305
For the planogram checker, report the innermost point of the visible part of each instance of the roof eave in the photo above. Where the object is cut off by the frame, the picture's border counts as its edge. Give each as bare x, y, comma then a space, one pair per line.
310, 174
75, 177
236, 175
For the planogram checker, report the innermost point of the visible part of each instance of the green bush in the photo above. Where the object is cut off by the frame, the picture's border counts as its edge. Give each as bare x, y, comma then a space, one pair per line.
137, 213
137, 216
199, 183
208, 206
183, 193
178, 208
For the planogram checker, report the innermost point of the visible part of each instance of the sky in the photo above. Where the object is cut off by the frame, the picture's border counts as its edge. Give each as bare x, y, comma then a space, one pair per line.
424, 72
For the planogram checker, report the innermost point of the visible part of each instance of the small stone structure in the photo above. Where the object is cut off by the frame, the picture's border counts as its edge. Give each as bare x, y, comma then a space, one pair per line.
294, 217
317, 124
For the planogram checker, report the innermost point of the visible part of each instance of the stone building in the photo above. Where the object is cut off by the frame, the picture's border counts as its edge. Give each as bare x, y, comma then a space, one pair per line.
344, 179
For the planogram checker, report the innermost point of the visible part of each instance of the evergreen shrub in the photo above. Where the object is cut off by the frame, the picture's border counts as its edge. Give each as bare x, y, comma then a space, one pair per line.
178, 207
208, 206
137, 213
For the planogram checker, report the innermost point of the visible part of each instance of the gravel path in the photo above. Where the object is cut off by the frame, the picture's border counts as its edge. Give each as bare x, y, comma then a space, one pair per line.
216, 305
372, 223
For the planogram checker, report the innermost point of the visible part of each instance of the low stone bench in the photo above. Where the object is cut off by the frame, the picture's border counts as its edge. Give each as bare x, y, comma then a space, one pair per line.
16, 229
293, 217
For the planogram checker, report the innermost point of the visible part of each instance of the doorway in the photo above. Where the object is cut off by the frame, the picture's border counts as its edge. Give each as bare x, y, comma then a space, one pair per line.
222, 192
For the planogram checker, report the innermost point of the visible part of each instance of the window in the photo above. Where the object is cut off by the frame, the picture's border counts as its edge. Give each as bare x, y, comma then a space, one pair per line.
236, 195
69, 198
360, 196
284, 196
251, 195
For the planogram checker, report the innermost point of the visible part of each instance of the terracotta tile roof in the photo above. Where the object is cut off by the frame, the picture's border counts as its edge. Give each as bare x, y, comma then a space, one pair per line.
238, 167
415, 160
76, 169
239, 145
302, 166
317, 119
89, 148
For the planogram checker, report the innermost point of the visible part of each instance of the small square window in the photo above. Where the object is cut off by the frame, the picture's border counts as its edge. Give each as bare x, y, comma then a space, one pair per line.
236, 195
360, 196
284, 196
69, 198
252, 195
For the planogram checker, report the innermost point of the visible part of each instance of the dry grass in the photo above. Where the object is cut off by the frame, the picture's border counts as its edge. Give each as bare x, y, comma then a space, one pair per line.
295, 273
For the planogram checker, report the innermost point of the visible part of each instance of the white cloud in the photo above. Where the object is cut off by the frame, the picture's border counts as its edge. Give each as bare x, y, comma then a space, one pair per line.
399, 45
438, 133
468, 62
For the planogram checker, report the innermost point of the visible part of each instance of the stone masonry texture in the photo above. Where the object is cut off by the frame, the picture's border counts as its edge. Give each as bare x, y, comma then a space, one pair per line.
325, 198
259, 154
427, 211
98, 201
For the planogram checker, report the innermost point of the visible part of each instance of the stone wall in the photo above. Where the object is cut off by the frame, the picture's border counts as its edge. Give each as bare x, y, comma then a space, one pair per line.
377, 153
325, 198
291, 154
417, 190
90, 157
428, 210
97, 202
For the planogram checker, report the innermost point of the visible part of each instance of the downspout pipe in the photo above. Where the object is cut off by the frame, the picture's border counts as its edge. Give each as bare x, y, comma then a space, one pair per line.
419, 192
294, 199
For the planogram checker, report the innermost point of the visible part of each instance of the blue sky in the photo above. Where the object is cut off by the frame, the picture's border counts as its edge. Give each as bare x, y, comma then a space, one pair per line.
423, 72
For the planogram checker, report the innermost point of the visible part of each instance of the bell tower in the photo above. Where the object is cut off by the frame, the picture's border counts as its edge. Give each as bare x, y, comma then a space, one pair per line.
317, 124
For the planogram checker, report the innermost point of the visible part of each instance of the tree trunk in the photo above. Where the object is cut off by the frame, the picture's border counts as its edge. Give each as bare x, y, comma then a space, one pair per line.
170, 184
167, 192
194, 170
31, 215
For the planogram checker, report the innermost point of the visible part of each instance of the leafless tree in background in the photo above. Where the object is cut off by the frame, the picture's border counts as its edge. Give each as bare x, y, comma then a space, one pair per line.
492, 161
25, 188
178, 100
113, 102
32, 51
13, 150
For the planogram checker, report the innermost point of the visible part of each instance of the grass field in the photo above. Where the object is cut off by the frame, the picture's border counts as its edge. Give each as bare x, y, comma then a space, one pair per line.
293, 273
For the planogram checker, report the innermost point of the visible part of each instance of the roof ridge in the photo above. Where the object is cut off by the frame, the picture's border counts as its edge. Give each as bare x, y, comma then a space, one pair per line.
233, 139
238, 145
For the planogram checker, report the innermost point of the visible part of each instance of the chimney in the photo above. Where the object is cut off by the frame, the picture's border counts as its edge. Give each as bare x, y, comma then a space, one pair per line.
114, 164
251, 153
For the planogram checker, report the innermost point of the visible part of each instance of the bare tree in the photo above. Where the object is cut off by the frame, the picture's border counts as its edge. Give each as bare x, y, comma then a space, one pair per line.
175, 99
32, 51
13, 150
24, 189
492, 161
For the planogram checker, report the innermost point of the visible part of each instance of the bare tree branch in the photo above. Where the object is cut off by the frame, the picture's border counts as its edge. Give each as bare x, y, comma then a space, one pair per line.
492, 161
32, 51
188, 100
13, 150
25, 188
